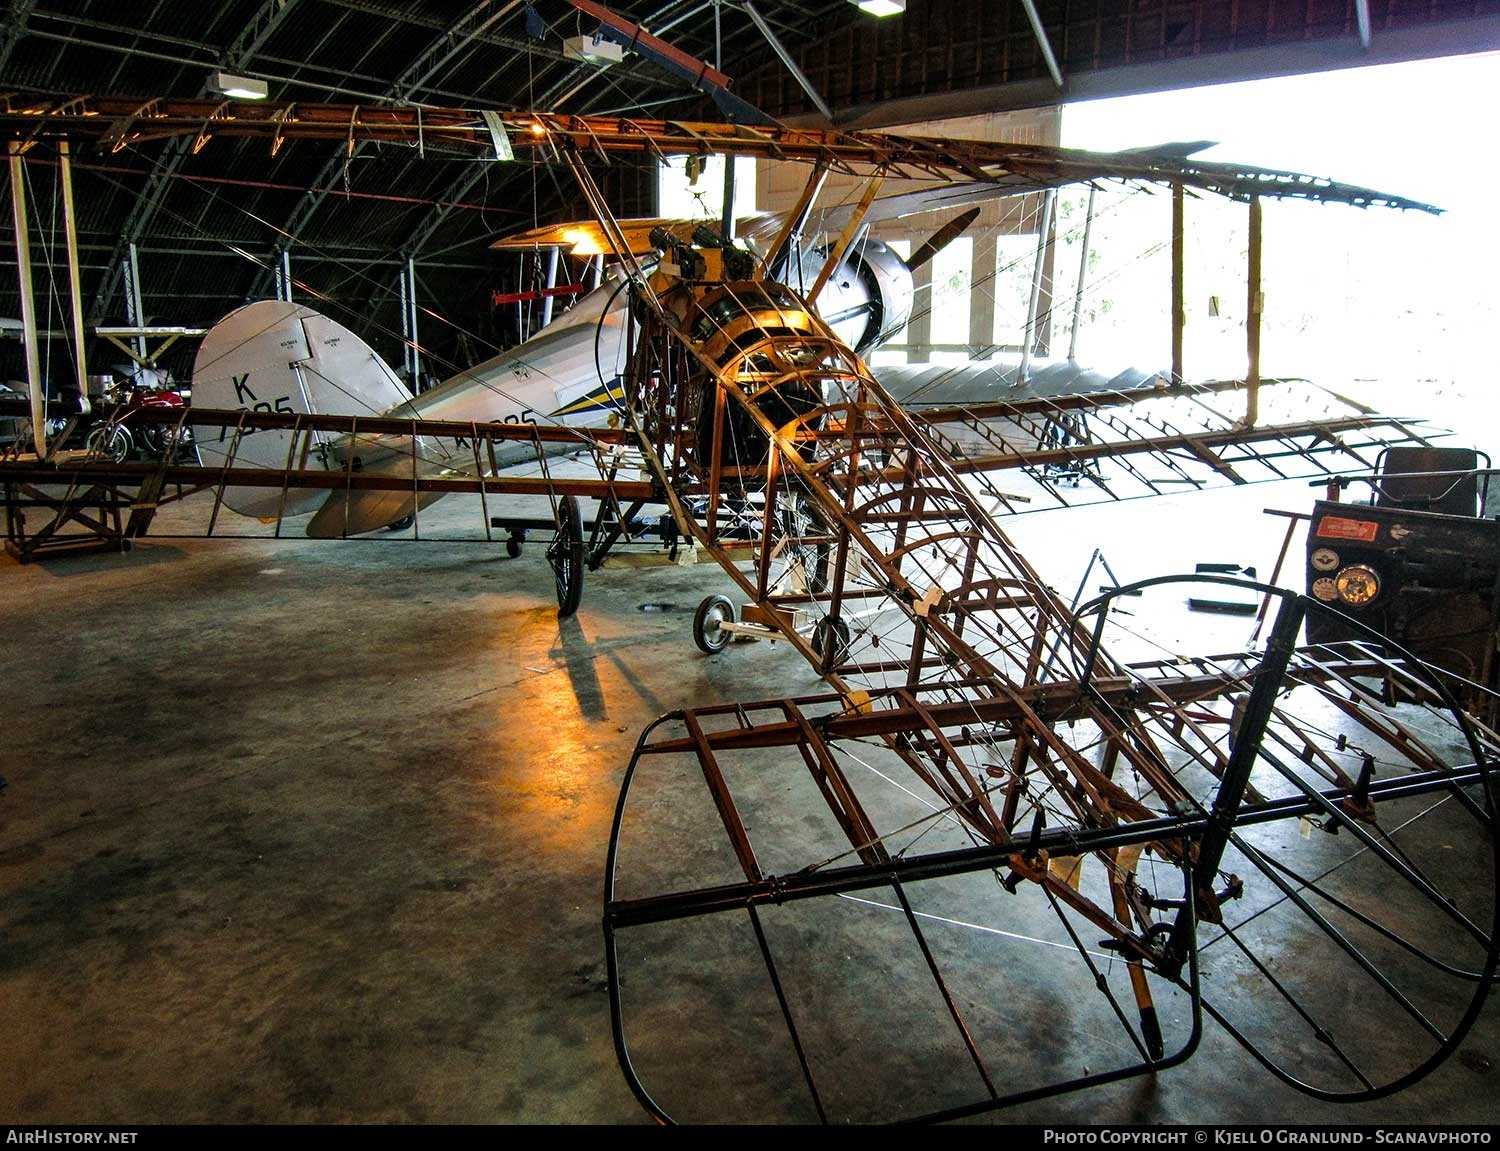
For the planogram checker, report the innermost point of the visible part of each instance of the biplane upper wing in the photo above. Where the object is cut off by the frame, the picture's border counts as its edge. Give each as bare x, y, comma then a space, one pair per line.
119, 123
1149, 164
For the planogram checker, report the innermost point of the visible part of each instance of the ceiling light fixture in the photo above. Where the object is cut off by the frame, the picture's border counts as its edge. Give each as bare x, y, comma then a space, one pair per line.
880, 7
239, 87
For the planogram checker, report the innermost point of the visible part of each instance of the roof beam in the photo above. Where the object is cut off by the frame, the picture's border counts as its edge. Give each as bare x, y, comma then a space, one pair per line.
786, 58
456, 38
475, 26
257, 31
553, 96
407, 15
14, 30
1039, 30
1362, 20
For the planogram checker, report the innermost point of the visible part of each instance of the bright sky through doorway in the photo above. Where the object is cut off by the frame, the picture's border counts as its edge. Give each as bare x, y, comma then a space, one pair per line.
1399, 304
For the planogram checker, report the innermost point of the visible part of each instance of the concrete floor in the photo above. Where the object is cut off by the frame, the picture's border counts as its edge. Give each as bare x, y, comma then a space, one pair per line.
315, 832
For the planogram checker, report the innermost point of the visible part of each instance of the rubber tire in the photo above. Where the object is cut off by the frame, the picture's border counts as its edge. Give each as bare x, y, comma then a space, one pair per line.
715, 609
513, 546
402, 524
114, 443
565, 555
841, 638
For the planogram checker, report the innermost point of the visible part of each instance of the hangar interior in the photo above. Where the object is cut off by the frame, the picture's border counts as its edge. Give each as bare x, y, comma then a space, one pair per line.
320, 830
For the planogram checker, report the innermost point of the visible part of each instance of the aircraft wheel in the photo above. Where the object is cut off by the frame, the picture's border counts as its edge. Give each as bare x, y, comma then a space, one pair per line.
566, 556
513, 544
799, 521
708, 631
840, 637
401, 525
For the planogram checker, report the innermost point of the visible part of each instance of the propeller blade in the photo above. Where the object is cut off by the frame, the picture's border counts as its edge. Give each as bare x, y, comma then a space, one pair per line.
944, 236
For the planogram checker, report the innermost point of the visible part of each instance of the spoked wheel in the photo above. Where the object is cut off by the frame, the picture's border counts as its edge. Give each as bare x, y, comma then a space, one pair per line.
709, 632
565, 555
807, 544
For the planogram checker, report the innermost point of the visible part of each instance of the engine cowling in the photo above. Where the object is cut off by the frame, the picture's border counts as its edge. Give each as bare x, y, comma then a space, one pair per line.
868, 299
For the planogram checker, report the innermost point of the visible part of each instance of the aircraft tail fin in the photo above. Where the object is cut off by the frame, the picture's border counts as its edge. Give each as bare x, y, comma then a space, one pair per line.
278, 356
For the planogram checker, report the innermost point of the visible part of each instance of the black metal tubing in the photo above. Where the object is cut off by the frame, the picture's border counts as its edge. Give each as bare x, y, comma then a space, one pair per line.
1100, 602
613, 922
1150, 1067
1482, 772
1059, 841
1236, 777
1228, 814
786, 1014
611, 953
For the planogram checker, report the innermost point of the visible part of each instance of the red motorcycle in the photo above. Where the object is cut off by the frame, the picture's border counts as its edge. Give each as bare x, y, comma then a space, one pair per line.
116, 438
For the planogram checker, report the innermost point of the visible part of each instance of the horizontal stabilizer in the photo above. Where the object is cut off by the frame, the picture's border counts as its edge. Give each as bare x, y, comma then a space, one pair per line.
354, 513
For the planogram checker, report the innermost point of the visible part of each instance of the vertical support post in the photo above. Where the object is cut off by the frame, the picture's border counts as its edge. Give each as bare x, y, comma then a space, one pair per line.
1362, 22
785, 251
70, 226
521, 332
1042, 341
406, 336
840, 247
1179, 318
1029, 338
982, 303
28, 302
716, 465
598, 268
1040, 32
286, 274
919, 327
551, 283
786, 58
138, 312
1254, 305
1083, 270
726, 224
411, 300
